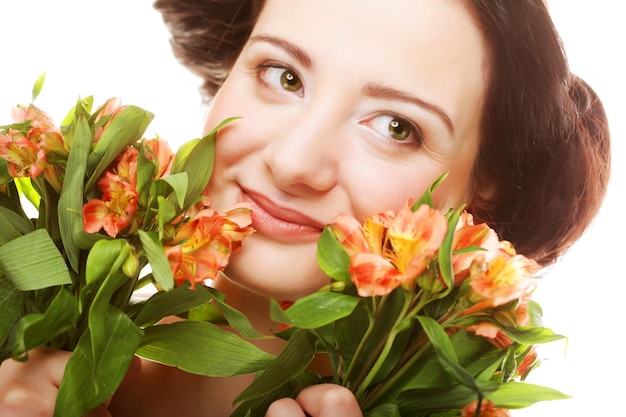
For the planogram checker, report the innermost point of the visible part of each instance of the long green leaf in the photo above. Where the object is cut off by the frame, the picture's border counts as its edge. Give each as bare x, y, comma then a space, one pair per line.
332, 257
200, 163
11, 305
321, 308
512, 395
179, 300
236, 319
202, 348
125, 129
71, 199
291, 361
104, 265
33, 262
446, 354
89, 381
12, 225
161, 270
37, 329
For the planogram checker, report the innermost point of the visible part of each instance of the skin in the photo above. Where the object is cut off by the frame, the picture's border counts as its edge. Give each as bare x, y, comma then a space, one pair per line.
317, 88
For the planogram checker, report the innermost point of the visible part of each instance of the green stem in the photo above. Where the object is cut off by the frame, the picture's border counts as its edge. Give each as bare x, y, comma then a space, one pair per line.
378, 357
359, 350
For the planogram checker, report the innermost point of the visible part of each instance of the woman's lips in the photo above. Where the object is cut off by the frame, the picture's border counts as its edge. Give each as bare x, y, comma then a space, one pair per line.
280, 222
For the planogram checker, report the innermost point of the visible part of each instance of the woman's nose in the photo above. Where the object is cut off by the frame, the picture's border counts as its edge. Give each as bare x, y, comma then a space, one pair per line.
305, 153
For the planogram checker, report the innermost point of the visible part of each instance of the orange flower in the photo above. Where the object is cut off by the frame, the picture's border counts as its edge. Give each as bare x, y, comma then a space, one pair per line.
503, 279
202, 246
160, 154
32, 145
115, 210
487, 409
105, 115
529, 361
466, 235
390, 249
492, 333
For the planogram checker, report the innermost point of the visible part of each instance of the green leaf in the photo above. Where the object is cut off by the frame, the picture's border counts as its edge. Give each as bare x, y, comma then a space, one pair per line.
161, 270
146, 170
291, 361
384, 410
257, 407
33, 262
198, 161
5, 177
414, 402
427, 197
38, 86
446, 354
513, 395
25, 187
125, 129
235, 318
445, 252
11, 305
179, 300
332, 257
532, 335
202, 348
12, 225
37, 329
71, 199
320, 308
91, 380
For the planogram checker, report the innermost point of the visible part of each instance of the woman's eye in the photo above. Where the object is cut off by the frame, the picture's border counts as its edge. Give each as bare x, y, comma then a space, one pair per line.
284, 78
396, 128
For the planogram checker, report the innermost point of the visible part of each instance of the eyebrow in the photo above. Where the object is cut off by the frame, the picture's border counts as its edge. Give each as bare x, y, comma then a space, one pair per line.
374, 89
292, 49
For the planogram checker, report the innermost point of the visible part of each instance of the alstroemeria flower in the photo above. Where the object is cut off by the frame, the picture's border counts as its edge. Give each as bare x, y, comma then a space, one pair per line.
115, 210
389, 249
500, 280
466, 235
487, 409
161, 155
30, 148
105, 115
202, 246
492, 332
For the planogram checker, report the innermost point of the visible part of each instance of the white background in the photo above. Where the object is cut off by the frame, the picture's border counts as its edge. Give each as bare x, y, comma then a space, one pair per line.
120, 48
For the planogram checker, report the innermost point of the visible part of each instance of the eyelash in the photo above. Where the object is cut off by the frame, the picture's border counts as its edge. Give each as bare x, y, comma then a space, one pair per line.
415, 133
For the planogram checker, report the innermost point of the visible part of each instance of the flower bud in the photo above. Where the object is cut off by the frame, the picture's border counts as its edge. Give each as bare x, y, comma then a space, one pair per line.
131, 265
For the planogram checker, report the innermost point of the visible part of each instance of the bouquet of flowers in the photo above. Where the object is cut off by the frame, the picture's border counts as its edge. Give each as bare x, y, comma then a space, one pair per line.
425, 313
115, 212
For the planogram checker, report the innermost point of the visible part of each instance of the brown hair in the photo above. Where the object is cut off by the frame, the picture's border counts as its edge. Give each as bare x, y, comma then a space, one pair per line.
544, 162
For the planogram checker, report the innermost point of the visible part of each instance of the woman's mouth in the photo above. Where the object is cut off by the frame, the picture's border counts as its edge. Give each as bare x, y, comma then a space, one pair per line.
280, 222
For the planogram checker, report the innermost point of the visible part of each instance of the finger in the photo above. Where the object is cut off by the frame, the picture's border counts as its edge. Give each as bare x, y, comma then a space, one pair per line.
285, 407
329, 400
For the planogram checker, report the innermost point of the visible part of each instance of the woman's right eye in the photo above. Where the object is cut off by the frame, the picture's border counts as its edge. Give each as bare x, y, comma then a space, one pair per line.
279, 77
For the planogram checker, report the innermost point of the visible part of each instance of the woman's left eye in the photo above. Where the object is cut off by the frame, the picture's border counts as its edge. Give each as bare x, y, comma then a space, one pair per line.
396, 128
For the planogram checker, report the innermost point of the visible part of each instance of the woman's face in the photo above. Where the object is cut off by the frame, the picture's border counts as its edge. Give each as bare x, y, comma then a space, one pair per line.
346, 107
